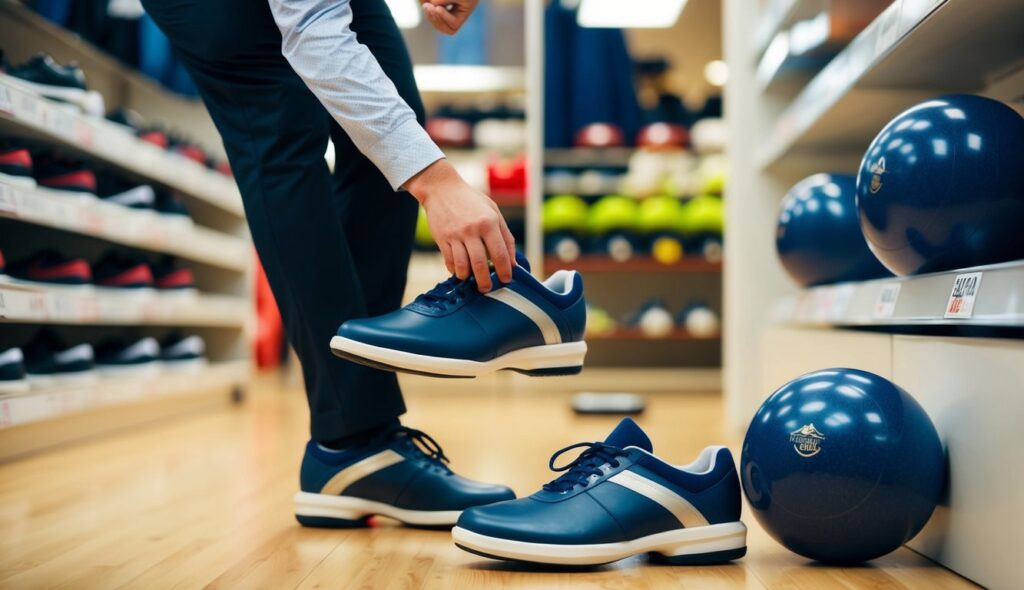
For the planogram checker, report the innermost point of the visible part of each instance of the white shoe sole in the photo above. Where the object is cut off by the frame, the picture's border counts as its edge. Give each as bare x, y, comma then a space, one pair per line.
350, 510
89, 102
549, 359
14, 386
694, 545
18, 181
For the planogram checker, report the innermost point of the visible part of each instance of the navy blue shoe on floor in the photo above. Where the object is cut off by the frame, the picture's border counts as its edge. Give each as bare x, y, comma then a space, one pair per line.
615, 500
453, 330
402, 475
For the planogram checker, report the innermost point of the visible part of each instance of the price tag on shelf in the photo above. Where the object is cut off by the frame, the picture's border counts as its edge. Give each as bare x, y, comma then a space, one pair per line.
885, 306
6, 102
961, 298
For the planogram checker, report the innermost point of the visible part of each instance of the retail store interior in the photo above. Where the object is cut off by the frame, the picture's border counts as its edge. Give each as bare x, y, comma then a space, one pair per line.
797, 228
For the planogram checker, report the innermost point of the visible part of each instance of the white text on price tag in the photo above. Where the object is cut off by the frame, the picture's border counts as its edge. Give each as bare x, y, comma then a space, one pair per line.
961, 299
885, 306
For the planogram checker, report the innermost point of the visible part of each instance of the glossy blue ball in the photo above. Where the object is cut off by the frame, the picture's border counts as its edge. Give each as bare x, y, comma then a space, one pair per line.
818, 236
942, 186
842, 466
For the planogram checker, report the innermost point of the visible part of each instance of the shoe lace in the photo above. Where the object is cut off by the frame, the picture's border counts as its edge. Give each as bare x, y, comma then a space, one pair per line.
451, 290
586, 464
425, 444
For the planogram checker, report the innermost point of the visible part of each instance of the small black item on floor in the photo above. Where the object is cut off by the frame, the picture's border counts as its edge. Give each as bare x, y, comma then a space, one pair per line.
619, 403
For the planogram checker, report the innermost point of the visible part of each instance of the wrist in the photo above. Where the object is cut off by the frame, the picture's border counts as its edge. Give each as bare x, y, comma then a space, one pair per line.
435, 178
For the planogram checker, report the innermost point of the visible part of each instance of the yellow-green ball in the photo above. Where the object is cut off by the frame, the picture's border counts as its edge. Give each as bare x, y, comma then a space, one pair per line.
702, 215
659, 214
565, 213
424, 238
612, 213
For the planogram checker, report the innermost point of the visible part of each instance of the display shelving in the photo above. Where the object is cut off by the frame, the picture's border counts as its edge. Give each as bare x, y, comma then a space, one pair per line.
997, 299
25, 302
636, 334
644, 264
23, 113
53, 402
887, 68
141, 229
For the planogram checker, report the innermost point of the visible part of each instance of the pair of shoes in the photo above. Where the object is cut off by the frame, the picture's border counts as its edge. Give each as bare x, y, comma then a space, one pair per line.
454, 330
615, 500
115, 270
62, 83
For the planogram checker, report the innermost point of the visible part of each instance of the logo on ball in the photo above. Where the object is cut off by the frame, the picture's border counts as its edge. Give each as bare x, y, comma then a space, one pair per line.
806, 440
877, 170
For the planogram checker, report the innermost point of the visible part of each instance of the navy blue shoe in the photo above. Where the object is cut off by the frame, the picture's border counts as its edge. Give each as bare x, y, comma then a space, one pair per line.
453, 330
402, 475
614, 501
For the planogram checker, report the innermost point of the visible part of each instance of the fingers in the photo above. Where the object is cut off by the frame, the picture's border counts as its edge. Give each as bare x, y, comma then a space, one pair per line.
461, 259
442, 20
495, 243
509, 240
478, 260
449, 260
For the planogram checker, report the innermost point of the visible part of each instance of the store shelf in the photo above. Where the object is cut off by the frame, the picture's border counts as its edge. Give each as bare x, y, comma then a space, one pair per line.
51, 403
645, 264
141, 229
915, 49
636, 334
617, 157
918, 300
23, 113
779, 15
24, 302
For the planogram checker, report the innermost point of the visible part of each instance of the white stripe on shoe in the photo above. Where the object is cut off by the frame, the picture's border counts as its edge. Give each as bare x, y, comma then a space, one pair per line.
679, 506
538, 316
359, 470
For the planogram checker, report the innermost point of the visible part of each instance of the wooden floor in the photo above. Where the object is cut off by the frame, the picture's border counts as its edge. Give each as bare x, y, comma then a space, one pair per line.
205, 501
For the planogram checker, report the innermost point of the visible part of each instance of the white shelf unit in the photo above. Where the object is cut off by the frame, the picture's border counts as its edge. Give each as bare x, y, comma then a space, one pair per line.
146, 230
915, 49
216, 246
23, 113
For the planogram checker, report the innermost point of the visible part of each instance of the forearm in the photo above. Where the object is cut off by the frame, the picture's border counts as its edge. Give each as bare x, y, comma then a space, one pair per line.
320, 46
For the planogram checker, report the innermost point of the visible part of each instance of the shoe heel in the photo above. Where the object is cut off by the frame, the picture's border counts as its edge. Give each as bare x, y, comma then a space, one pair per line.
551, 371
326, 511
325, 522
715, 557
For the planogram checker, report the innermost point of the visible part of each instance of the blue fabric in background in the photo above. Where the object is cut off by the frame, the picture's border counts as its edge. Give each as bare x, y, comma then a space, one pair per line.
157, 59
57, 11
469, 46
588, 78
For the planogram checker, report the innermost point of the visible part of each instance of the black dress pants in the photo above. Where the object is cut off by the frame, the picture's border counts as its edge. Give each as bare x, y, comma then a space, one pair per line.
334, 247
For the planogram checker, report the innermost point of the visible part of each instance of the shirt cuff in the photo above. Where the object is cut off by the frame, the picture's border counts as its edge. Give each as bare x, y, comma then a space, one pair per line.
404, 153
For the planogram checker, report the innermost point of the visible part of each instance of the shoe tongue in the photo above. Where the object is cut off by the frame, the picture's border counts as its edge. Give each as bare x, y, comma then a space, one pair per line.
522, 261
629, 434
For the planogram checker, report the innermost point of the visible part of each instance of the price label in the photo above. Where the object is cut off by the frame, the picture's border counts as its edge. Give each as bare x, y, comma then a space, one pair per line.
885, 306
6, 102
961, 298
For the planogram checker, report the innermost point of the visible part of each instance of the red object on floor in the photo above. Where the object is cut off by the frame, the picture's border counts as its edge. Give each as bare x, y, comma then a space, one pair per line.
269, 339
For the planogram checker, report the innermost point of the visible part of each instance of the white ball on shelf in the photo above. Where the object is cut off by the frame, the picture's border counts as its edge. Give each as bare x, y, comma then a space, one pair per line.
656, 322
702, 322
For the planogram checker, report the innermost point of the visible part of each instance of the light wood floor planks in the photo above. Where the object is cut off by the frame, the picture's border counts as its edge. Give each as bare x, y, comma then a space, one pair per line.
205, 501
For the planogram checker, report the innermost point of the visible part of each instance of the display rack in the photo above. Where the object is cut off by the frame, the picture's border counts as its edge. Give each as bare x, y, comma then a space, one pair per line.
954, 349
638, 264
995, 299
891, 66
213, 243
147, 230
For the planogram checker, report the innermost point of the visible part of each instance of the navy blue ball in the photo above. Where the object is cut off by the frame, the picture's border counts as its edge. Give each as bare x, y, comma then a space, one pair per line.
842, 466
942, 186
818, 237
